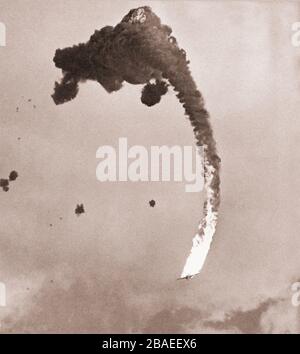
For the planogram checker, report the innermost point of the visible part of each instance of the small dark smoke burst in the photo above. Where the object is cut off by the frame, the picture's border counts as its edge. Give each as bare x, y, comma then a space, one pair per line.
4, 182
152, 203
140, 50
13, 175
66, 90
79, 209
152, 93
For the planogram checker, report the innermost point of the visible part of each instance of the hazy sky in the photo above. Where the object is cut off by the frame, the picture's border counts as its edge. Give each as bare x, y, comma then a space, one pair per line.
114, 268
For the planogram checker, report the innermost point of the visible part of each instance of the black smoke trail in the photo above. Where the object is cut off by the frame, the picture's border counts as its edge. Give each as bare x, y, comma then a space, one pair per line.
139, 50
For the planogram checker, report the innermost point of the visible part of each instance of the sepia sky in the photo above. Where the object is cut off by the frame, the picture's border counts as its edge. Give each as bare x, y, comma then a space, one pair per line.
114, 268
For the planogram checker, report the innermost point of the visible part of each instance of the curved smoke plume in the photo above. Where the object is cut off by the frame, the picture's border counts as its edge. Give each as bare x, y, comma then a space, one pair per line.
140, 50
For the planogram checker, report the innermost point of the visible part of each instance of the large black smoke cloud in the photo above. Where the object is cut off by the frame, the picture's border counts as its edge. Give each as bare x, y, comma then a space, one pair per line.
141, 50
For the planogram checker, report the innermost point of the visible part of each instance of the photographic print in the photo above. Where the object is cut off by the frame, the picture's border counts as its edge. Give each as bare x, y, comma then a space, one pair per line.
149, 173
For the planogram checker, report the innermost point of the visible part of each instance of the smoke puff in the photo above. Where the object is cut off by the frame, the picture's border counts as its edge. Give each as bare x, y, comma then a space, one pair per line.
13, 175
152, 93
79, 209
4, 182
66, 90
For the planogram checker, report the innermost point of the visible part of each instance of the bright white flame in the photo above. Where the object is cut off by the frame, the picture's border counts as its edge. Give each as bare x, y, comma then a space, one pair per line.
207, 228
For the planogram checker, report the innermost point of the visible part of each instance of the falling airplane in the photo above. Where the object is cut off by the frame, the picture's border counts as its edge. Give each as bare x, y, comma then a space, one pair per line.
188, 277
